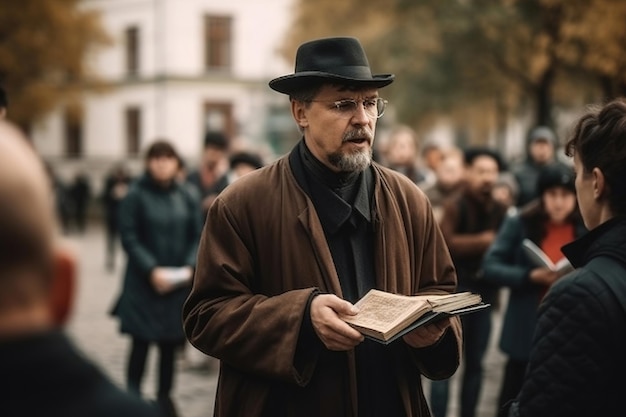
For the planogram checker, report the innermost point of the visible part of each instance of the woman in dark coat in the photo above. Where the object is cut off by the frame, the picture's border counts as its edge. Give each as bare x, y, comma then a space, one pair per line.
577, 364
550, 222
159, 226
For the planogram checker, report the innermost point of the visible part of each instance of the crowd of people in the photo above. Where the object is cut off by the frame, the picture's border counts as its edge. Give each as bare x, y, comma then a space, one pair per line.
255, 267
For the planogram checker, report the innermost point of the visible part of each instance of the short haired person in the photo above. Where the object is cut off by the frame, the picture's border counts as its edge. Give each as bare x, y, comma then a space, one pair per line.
470, 221
289, 247
577, 362
42, 372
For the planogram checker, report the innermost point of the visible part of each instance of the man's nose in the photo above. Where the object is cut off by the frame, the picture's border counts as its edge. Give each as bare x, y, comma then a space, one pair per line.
360, 116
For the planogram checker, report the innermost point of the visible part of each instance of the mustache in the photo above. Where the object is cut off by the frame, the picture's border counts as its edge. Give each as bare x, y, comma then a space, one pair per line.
358, 134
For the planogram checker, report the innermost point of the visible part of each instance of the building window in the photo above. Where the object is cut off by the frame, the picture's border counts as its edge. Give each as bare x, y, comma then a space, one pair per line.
73, 126
218, 117
132, 50
133, 130
218, 42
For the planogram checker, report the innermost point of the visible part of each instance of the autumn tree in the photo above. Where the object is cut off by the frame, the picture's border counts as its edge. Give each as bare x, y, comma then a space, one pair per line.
43, 49
486, 58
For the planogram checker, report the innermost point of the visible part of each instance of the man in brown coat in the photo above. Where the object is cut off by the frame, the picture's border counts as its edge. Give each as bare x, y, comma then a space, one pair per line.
288, 248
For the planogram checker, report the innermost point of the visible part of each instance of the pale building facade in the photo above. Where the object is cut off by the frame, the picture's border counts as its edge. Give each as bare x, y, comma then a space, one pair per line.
176, 69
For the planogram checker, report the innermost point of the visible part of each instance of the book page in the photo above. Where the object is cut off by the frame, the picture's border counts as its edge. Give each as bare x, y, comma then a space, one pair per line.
382, 311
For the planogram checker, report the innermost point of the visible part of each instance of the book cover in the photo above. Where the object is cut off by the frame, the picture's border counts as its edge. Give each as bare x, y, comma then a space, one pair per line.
540, 259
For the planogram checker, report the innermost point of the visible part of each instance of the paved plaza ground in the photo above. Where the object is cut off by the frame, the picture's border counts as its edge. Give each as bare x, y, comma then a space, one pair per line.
97, 334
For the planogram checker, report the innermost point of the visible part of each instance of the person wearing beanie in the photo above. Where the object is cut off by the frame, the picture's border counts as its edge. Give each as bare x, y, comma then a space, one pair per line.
550, 221
540, 146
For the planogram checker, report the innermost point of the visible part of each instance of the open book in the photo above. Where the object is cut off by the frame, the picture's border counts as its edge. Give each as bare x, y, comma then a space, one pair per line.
384, 316
540, 259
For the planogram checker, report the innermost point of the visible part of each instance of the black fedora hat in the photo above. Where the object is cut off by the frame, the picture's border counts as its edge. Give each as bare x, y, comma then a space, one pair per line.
339, 60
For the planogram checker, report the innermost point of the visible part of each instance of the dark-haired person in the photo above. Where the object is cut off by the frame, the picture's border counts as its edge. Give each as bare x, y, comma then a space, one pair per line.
42, 373
159, 222
211, 176
290, 247
550, 221
469, 224
577, 363
541, 144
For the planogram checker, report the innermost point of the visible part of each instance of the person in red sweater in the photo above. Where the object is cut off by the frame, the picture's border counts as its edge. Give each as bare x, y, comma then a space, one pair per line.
550, 221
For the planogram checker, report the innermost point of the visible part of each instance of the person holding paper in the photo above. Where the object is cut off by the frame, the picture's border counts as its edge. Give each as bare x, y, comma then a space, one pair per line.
290, 247
549, 222
577, 364
159, 224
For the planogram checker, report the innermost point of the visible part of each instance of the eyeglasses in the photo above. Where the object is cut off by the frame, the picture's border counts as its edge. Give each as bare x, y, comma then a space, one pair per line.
374, 107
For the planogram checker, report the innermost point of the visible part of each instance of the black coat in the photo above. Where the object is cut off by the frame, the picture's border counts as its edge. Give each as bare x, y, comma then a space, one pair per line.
159, 228
577, 364
44, 375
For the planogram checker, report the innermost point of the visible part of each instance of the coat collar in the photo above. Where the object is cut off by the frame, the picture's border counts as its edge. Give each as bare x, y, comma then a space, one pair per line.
608, 239
322, 187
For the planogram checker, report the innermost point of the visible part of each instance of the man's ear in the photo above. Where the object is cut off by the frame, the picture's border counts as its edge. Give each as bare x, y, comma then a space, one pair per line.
298, 111
63, 285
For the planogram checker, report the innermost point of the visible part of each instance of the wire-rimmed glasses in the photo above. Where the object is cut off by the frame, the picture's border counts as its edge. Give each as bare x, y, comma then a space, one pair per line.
374, 107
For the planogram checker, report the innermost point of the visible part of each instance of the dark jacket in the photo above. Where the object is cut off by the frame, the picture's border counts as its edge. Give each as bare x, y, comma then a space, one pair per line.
465, 217
158, 227
262, 256
44, 375
505, 264
577, 363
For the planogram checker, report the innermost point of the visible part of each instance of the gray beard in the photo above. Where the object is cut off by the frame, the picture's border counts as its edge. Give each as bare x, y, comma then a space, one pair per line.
355, 162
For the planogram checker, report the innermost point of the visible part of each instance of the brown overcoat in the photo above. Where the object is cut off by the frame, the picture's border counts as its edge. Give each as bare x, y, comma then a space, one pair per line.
263, 253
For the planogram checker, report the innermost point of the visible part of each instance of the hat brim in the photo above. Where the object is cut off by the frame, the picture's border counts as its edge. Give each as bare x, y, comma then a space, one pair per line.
289, 84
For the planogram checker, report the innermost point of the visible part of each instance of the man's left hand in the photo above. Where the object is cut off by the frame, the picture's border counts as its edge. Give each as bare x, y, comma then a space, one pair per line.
427, 335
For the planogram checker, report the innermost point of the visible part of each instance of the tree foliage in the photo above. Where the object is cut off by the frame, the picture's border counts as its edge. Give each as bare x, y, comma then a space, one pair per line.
43, 49
480, 59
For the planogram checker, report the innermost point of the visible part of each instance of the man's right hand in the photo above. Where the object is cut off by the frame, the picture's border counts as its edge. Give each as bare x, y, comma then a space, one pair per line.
335, 333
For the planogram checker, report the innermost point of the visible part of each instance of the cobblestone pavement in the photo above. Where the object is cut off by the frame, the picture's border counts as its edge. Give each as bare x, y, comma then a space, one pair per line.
96, 333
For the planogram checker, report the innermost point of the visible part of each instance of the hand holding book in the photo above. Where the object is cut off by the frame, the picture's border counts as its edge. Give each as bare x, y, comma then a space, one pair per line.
384, 316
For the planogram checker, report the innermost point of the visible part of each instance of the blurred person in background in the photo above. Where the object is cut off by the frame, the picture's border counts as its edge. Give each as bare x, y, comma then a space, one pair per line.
470, 222
42, 372
402, 155
80, 196
550, 221
115, 189
540, 147
242, 163
159, 223
577, 364
210, 178
432, 155
62, 199
449, 179
506, 191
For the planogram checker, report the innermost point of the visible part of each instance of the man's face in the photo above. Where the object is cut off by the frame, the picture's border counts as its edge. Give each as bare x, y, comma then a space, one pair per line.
340, 140
541, 151
402, 150
482, 174
214, 165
